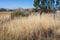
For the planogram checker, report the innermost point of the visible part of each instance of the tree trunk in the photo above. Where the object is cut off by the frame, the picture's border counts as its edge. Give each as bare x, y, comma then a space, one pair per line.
54, 16
40, 13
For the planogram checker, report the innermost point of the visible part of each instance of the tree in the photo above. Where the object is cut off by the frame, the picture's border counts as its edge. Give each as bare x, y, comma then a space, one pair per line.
59, 8
58, 4
2, 9
46, 5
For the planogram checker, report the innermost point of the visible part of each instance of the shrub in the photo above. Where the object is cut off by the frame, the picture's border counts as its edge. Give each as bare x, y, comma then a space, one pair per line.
17, 14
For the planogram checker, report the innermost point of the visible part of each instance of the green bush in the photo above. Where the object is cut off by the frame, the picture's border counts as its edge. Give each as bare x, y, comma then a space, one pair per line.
19, 13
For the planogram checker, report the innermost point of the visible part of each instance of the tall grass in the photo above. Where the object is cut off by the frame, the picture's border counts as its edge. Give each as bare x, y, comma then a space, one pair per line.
34, 27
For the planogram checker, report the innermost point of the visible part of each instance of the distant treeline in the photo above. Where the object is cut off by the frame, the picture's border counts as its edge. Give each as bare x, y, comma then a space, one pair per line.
5, 10
21, 9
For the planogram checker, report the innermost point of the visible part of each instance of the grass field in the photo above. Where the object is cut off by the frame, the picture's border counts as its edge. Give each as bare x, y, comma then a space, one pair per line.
34, 27
4, 16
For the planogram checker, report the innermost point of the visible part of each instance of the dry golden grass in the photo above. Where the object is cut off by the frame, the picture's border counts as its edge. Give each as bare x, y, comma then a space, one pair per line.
5, 13
33, 27
4, 16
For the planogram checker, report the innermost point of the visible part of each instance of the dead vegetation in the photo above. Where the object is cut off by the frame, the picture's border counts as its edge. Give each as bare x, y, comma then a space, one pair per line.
32, 27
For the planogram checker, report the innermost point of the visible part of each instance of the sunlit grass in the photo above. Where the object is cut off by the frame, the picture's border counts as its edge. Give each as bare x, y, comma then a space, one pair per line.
34, 27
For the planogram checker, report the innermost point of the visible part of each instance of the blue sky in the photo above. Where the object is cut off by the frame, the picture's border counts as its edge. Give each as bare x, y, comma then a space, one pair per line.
13, 4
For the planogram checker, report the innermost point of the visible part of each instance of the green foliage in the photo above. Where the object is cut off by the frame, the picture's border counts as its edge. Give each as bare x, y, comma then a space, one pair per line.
17, 14
35, 10
36, 3
47, 5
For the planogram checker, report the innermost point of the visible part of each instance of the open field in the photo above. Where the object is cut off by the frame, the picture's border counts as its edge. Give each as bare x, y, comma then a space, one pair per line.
5, 13
4, 16
34, 27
